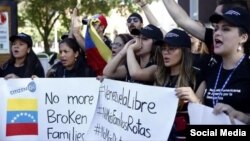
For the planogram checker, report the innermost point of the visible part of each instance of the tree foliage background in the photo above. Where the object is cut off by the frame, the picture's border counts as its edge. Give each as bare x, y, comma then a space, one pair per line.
43, 14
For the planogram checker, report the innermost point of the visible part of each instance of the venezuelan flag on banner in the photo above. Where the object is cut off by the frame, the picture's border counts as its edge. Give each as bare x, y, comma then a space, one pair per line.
97, 52
22, 117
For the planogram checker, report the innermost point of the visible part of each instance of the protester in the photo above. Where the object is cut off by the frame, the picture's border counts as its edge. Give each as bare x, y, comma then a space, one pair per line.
175, 69
191, 26
200, 52
227, 81
119, 42
149, 15
141, 48
95, 44
134, 21
197, 46
117, 45
72, 61
75, 29
23, 62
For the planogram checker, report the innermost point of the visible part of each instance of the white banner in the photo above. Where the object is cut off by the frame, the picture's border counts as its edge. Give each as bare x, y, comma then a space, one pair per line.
68, 109
4, 33
203, 115
128, 111
47, 109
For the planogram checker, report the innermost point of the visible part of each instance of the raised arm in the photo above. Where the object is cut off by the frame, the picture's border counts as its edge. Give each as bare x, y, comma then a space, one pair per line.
75, 29
184, 21
151, 18
113, 69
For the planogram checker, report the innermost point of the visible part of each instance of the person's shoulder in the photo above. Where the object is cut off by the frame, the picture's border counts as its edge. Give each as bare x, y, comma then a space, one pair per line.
246, 62
107, 41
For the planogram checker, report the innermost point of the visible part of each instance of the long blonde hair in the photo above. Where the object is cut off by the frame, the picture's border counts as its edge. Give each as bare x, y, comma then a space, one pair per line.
186, 76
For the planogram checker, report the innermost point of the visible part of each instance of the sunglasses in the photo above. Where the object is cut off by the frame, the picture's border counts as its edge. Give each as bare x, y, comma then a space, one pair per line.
169, 50
116, 45
135, 20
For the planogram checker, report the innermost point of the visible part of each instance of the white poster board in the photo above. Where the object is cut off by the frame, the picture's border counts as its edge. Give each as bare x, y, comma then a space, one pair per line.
128, 111
47, 109
203, 115
4, 33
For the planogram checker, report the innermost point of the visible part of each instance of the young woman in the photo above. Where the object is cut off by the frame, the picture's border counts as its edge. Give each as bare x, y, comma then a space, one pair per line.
139, 54
228, 81
72, 61
23, 62
119, 42
117, 45
175, 69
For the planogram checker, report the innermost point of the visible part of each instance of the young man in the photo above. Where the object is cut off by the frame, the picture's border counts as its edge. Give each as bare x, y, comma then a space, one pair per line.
134, 21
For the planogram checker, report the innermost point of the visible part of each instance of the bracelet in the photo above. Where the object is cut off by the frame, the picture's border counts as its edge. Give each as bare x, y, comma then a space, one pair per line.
144, 4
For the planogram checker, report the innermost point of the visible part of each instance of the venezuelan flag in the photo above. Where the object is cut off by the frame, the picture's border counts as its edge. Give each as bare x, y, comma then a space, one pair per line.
97, 52
22, 117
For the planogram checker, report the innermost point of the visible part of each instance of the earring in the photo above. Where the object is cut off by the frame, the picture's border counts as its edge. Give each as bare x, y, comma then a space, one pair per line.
239, 48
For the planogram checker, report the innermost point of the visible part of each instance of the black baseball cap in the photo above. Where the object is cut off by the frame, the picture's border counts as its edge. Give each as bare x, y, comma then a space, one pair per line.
235, 16
149, 31
24, 37
176, 38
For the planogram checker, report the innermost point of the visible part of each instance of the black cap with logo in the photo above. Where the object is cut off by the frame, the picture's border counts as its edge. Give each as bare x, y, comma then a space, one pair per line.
149, 31
176, 38
24, 37
235, 15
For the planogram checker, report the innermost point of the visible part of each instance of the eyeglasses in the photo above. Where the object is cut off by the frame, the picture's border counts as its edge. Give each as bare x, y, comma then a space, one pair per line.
116, 45
169, 50
129, 20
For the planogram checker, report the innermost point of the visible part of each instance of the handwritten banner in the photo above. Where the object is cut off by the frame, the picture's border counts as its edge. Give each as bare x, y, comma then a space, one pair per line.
127, 111
47, 109
78, 109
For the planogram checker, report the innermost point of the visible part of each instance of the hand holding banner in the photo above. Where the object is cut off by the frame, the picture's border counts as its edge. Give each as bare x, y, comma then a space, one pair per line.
128, 111
203, 115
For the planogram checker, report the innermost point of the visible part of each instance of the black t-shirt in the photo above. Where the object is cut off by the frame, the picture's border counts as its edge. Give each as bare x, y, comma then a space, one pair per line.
129, 79
199, 59
181, 119
20, 71
236, 92
209, 39
59, 71
1, 72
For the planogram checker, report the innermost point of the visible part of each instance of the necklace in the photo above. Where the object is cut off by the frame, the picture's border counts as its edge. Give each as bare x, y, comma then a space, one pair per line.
216, 99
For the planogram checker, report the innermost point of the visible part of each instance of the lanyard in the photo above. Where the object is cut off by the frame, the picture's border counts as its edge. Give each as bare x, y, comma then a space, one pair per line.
64, 73
216, 99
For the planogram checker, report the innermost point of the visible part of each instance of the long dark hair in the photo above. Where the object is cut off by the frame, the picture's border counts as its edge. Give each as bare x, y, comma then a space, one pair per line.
246, 45
125, 37
81, 69
31, 62
80, 59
